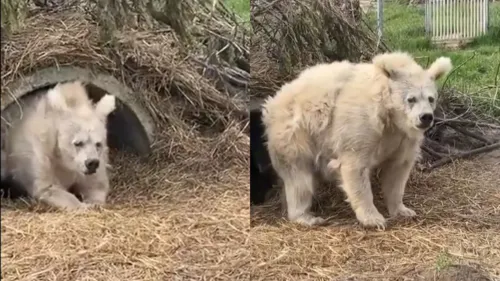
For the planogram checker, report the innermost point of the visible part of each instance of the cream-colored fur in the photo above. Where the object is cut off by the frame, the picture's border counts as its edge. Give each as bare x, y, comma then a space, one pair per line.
364, 116
60, 143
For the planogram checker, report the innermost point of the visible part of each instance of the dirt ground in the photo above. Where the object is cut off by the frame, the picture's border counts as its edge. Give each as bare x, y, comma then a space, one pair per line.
458, 223
184, 215
172, 227
171, 219
187, 218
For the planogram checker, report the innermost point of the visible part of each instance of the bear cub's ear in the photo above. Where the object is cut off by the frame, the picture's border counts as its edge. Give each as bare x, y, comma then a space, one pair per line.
57, 99
392, 64
66, 96
440, 67
105, 105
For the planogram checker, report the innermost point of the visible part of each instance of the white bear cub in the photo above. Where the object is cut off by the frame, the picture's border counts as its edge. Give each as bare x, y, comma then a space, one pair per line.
61, 144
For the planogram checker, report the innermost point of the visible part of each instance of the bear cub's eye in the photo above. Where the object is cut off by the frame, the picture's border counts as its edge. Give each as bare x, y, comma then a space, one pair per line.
431, 99
412, 100
78, 143
98, 144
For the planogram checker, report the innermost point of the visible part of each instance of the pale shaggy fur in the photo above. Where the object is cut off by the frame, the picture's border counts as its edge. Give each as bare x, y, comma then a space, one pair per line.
60, 143
363, 116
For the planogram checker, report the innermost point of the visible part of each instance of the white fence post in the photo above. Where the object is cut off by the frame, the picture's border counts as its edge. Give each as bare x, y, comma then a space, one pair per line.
428, 23
380, 17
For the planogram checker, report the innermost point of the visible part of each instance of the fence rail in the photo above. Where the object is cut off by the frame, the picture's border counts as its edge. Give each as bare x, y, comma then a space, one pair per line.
456, 20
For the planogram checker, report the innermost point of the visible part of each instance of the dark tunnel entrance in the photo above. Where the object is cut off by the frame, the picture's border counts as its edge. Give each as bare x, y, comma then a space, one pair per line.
125, 130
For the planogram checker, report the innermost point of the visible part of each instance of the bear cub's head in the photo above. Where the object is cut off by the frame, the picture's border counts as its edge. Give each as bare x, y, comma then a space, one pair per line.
81, 127
413, 89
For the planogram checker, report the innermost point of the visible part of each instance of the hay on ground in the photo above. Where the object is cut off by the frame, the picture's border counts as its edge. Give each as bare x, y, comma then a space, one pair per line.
183, 213
457, 223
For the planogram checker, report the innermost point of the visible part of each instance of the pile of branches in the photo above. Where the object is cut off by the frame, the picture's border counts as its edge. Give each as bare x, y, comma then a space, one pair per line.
290, 35
458, 132
195, 51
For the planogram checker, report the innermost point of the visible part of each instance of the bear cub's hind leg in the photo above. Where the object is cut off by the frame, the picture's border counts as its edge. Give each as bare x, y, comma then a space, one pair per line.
394, 177
299, 189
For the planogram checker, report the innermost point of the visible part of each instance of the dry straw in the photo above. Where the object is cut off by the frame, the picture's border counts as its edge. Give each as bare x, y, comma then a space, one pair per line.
457, 224
183, 213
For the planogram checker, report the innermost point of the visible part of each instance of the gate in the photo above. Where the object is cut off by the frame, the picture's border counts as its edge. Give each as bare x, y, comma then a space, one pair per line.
453, 22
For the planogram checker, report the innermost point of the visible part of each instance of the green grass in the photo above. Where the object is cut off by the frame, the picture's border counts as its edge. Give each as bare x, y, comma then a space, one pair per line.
240, 8
404, 30
443, 261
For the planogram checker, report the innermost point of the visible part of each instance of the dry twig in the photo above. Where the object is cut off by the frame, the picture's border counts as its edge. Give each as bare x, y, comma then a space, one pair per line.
447, 159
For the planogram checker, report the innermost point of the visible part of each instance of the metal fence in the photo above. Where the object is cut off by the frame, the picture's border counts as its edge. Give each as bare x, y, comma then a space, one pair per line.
449, 21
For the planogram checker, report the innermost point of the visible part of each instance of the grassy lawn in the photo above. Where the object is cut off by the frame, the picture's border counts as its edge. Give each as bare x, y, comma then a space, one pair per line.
404, 30
241, 8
